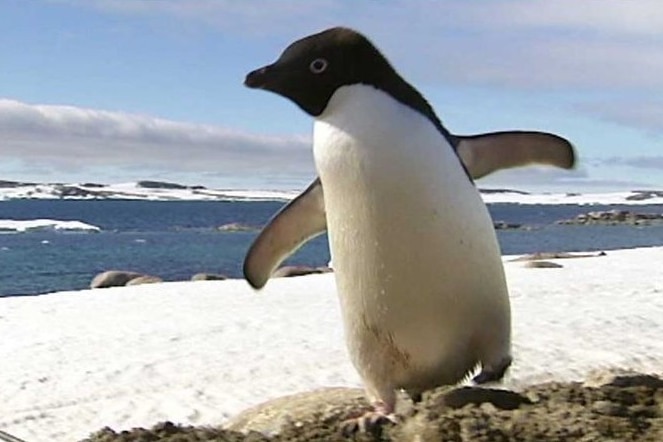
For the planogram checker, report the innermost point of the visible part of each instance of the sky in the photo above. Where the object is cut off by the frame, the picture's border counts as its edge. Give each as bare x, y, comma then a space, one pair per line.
113, 91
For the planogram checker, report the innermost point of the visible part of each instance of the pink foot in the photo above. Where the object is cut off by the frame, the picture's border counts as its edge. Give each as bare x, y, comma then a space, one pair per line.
369, 422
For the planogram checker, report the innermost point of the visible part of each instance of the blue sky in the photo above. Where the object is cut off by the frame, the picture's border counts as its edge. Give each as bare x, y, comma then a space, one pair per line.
122, 90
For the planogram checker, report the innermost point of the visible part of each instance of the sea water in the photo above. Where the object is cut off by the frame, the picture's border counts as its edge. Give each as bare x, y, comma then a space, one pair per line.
176, 239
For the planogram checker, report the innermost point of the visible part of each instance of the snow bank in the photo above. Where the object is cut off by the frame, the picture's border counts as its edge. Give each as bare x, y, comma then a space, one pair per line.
21, 226
199, 352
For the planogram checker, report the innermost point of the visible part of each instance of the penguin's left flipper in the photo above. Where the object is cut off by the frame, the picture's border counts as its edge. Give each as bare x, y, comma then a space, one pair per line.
487, 153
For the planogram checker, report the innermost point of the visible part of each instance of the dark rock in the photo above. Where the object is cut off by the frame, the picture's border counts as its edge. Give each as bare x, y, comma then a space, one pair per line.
13, 184
492, 191
144, 279
160, 185
556, 255
542, 265
169, 432
503, 225
113, 278
613, 217
208, 277
290, 271
642, 195
64, 190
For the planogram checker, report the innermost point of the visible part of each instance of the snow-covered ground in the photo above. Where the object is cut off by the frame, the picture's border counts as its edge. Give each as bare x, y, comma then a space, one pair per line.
150, 190
10, 225
199, 352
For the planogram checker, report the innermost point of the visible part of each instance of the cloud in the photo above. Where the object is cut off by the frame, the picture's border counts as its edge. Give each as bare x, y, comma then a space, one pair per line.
511, 43
644, 114
654, 162
73, 139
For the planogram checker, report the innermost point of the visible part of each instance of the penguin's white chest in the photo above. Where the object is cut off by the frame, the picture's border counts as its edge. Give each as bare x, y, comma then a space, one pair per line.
415, 255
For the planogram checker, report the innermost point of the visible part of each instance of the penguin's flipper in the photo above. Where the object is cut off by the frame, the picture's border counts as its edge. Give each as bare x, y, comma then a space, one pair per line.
486, 153
299, 221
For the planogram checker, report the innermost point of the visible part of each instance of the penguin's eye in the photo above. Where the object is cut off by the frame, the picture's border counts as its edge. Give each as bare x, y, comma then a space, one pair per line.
318, 66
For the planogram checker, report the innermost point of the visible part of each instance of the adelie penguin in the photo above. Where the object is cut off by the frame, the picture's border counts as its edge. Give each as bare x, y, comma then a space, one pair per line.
417, 264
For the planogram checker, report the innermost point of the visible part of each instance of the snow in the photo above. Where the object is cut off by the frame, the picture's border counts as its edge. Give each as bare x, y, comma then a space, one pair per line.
199, 352
136, 191
627, 198
21, 226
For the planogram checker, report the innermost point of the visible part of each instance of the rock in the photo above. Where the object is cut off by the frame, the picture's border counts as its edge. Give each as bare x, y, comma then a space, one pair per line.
146, 184
64, 190
236, 227
14, 184
144, 279
167, 431
542, 265
503, 225
494, 191
298, 410
641, 195
613, 217
629, 407
208, 277
555, 255
113, 278
289, 271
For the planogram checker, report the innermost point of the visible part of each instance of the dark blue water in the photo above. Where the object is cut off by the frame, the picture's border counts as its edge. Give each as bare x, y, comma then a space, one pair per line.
177, 239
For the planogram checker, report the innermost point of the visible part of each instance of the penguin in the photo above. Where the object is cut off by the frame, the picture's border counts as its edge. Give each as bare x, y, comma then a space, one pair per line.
417, 265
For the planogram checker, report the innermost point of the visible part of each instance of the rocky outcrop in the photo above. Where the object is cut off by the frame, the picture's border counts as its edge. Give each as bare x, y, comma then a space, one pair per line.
289, 271
208, 277
503, 225
13, 184
119, 278
542, 265
643, 195
614, 217
609, 407
496, 191
556, 255
144, 279
146, 184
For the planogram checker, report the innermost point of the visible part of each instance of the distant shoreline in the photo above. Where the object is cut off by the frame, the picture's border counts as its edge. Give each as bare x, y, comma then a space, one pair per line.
166, 191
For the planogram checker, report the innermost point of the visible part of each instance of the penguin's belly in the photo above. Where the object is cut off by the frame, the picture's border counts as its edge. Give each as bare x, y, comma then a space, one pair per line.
416, 260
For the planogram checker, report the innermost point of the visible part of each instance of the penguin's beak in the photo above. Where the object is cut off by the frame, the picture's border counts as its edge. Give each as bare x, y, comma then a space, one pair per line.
258, 79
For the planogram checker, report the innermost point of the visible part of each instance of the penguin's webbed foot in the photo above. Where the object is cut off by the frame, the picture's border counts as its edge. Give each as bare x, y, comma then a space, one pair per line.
493, 374
370, 422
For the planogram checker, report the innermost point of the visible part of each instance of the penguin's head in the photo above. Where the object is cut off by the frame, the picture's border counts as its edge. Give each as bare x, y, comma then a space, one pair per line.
310, 70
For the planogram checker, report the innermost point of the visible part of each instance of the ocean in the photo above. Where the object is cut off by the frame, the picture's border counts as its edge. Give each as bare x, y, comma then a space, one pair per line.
176, 239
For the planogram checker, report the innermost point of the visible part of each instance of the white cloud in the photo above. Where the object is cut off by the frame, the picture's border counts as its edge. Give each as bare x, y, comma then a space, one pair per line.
68, 138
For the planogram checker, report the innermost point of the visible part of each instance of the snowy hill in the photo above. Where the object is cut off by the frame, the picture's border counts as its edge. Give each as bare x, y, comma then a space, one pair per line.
165, 191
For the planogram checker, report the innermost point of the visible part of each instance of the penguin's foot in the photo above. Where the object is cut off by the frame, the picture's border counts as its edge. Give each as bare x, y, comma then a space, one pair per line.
371, 422
493, 374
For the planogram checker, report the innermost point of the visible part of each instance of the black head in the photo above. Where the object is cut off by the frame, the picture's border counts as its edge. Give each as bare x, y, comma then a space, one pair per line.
311, 69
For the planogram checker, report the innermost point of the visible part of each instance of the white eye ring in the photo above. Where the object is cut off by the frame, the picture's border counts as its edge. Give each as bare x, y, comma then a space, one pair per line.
318, 66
